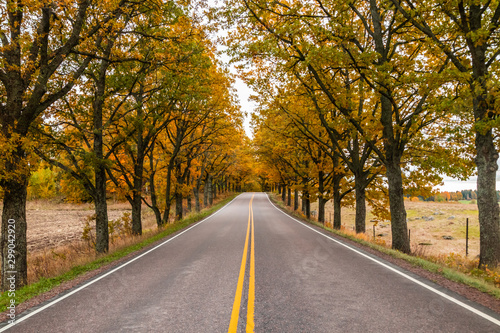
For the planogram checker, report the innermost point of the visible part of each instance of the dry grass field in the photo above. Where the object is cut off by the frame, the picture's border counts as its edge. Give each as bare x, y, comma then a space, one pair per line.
435, 228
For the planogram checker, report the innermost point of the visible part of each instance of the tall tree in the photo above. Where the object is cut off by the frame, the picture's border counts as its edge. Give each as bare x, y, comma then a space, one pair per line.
41, 59
466, 32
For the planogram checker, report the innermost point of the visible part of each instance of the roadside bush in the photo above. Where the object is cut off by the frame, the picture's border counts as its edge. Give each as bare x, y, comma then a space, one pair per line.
119, 228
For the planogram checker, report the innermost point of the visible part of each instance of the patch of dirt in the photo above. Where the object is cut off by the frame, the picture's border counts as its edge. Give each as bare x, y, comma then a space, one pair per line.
51, 225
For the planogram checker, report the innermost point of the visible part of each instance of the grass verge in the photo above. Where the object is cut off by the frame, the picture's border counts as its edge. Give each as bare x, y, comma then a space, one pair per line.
434, 267
46, 284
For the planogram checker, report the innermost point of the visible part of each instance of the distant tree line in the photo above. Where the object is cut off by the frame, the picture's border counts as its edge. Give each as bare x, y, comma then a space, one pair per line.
451, 196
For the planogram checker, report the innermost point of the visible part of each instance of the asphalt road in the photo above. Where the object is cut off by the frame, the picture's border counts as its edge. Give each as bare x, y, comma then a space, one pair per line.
289, 278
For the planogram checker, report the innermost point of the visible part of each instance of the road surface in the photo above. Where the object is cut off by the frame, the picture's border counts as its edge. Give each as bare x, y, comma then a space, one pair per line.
251, 267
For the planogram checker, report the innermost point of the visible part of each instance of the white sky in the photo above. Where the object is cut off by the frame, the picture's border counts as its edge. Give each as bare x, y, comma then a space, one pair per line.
453, 185
247, 106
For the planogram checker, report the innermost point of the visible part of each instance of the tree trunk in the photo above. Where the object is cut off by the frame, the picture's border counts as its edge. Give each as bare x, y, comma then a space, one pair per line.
360, 219
283, 194
213, 188
101, 211
196, 194
393, 150
489, 233
137, 196
136, 214
101, 207
210, 191
289, 201
296, 200
168, 197
337, 200
321, 201
17, 115
205, 192
152, 188
393, 144
138, 167
399, 227
307, 205
189, 203
14, 226
303, 202
177, 190
178, 206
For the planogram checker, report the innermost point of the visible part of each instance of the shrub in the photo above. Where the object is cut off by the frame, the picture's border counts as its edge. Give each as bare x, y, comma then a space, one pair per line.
119, 228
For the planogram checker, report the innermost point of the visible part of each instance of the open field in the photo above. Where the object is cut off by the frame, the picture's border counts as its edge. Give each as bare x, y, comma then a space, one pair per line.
52, 225
429, 223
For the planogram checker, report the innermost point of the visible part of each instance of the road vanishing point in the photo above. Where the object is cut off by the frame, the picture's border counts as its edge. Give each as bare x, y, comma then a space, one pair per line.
252, 268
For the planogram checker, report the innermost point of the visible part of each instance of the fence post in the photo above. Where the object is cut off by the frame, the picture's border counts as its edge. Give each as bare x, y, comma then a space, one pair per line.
467, 237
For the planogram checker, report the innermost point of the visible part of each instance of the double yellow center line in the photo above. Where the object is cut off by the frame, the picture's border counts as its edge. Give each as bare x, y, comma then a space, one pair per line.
233, 325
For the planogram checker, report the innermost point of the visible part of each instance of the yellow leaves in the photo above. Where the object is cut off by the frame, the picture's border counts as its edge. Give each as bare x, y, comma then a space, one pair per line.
16, 159
42, 184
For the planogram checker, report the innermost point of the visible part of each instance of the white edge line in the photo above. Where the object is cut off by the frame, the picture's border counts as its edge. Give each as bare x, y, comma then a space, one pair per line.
110, 272
450, 298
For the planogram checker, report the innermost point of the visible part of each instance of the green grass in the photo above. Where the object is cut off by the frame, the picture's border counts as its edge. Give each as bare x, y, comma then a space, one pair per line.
469, 212
412, 213
447, 272
473, 232
44, 285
